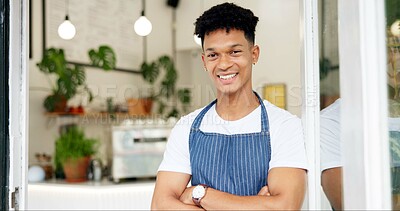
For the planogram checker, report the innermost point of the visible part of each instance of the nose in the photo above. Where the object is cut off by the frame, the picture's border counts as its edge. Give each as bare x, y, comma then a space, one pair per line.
224, 62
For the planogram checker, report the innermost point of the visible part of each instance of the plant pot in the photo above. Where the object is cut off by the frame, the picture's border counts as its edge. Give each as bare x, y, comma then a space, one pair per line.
61, 104
76, 169
55, 103
147, 104
140, 106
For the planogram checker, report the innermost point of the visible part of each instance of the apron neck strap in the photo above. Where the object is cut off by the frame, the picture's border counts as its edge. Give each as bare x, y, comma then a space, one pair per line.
264, 116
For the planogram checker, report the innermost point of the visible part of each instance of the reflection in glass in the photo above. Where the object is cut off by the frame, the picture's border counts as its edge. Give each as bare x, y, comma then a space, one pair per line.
329, 52
331, 159
393, 69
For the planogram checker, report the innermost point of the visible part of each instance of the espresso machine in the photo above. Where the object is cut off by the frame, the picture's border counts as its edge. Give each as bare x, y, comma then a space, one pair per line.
138, 147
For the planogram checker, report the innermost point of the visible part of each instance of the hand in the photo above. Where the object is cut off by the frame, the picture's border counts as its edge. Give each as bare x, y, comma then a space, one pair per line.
186, 196
264, 191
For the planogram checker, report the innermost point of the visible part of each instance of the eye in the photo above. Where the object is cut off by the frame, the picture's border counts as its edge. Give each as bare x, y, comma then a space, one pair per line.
211, 55
235, 52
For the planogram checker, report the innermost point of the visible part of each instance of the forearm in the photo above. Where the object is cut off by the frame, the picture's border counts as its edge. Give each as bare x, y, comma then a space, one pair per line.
171, 203
217, 200
169, 187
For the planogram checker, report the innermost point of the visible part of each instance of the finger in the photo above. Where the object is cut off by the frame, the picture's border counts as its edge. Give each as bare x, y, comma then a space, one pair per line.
264, 191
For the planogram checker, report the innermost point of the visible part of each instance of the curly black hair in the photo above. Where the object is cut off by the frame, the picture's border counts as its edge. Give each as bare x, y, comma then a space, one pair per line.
226, 16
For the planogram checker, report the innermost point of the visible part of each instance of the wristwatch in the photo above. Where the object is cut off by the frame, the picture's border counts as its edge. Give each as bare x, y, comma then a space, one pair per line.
198, 193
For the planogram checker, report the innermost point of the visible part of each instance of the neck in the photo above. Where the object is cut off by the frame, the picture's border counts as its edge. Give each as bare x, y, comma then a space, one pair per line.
237, 105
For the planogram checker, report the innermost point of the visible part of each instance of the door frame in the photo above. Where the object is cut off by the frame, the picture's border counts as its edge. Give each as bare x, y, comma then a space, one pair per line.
18, 103
4, 105
309, 64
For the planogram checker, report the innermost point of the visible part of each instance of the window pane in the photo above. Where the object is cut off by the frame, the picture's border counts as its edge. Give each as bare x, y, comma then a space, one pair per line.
393, 69
331, 165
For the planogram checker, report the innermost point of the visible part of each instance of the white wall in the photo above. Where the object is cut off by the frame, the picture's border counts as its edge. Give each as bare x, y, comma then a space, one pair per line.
277, 35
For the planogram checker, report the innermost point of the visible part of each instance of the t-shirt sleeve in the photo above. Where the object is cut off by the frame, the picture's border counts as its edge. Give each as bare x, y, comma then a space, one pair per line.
176, 155
287, 145
330, 143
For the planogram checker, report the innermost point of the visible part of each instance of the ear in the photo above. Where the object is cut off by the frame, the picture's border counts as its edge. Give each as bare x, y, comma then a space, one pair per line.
203, 59
255, 53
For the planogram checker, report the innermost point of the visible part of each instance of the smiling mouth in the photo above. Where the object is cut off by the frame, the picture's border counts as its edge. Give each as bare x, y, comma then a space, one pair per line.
226, 77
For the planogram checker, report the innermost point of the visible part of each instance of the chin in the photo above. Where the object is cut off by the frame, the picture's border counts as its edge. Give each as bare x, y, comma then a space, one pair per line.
228, 90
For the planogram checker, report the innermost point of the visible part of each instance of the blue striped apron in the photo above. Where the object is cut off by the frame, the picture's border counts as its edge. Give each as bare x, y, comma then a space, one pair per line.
236, 164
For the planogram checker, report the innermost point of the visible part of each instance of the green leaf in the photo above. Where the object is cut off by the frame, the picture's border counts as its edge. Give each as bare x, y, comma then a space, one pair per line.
103, 58
49, 103
70, 80
90, 93
184, 96
173, 113
324, 68
150, 72
74, 144
392, 11
53, 61
161, 106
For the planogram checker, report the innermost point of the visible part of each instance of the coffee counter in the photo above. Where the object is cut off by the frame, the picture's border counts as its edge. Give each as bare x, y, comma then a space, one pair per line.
56, 194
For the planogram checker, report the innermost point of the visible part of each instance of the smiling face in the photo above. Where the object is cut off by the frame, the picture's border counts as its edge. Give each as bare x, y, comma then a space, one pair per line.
228, 58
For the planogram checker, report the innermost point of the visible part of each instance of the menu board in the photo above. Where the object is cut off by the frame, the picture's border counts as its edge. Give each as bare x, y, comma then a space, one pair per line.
97, 22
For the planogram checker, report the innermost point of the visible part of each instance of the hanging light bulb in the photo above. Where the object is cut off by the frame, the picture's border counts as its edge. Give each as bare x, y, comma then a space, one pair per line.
143, 25
197, 40
66, 30
395, 28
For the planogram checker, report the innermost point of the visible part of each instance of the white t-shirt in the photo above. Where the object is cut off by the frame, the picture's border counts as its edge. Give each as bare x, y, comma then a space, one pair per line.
286, 134
330, 137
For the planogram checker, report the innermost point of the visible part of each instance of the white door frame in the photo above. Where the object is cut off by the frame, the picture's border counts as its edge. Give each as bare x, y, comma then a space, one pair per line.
366, 176
18, 82
309, 62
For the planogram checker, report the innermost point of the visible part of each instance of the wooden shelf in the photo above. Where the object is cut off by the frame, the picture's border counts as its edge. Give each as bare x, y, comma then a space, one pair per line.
95, 115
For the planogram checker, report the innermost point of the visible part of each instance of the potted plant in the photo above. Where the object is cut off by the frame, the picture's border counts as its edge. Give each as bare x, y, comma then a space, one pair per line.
70, 78
73, 151
170, 100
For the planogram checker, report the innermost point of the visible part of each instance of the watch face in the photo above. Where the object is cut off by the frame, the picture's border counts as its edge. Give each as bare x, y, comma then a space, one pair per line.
198, 192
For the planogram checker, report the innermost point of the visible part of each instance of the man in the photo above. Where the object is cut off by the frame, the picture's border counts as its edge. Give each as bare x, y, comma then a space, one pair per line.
239, 152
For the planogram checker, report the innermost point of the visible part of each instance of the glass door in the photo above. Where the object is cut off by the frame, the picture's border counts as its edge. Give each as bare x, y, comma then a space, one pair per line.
329, 72
364, 105
392, 29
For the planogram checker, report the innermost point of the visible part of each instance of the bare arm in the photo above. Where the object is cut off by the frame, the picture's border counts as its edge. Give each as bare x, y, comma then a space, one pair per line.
168, 189
286, 187
331, 181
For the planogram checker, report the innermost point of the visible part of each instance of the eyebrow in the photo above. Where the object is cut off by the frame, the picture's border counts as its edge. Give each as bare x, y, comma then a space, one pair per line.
232, 46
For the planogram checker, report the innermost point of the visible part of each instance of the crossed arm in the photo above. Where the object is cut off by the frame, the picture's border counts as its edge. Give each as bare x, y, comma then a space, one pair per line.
286, 190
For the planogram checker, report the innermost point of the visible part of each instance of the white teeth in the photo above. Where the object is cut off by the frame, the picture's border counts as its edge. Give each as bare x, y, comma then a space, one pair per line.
225, 77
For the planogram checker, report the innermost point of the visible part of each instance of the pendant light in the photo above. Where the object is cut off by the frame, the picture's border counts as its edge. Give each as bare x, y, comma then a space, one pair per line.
197, 40
143, 25
66, 30
395, 28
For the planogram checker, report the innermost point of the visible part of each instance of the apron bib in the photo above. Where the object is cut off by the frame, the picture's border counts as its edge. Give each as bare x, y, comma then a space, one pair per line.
236, 164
